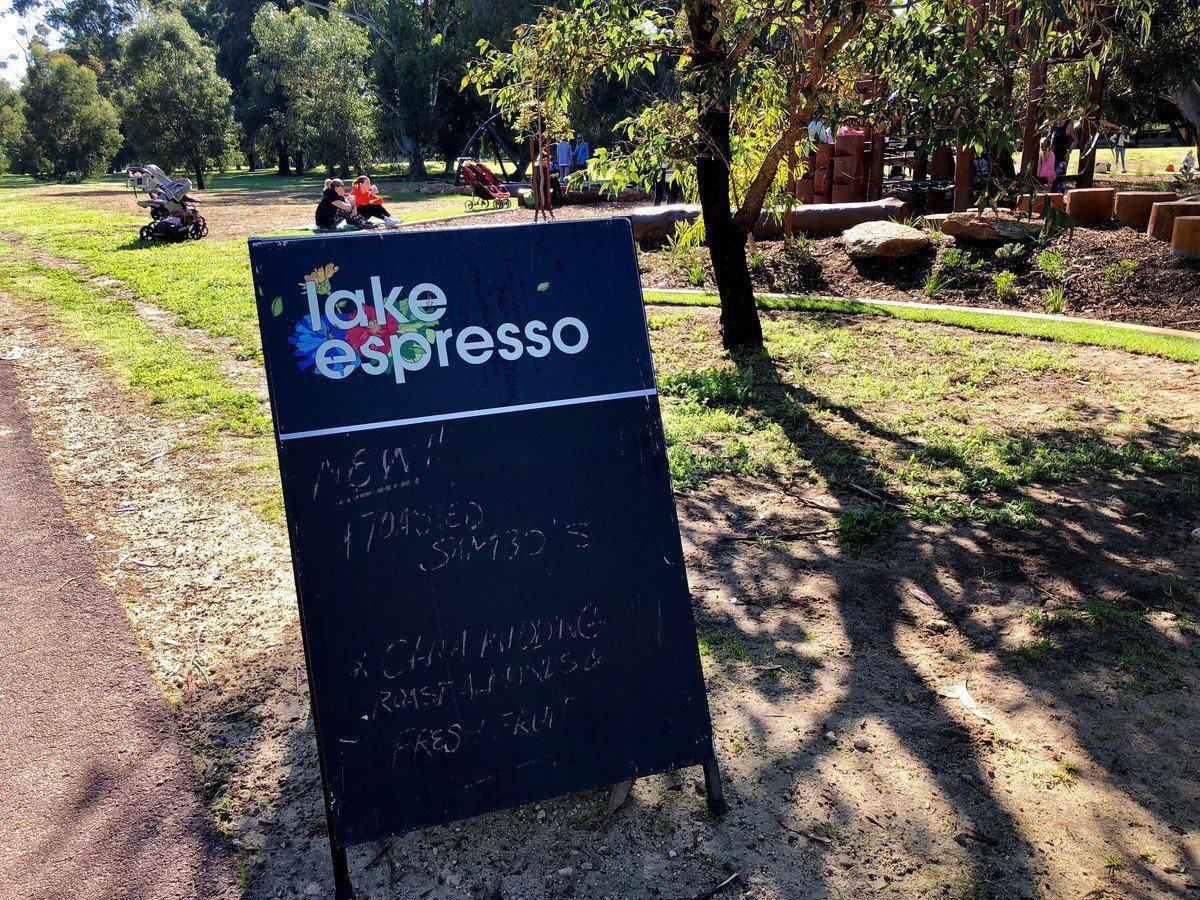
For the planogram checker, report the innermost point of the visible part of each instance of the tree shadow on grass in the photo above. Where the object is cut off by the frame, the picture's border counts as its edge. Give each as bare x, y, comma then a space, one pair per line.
1076, 555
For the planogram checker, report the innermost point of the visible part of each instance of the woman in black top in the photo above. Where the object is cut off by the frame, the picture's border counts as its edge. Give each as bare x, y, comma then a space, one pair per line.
1062, 139
334, 208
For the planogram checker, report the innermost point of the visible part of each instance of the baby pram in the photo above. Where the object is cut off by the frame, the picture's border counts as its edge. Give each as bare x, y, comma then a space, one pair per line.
172, 209
488, 191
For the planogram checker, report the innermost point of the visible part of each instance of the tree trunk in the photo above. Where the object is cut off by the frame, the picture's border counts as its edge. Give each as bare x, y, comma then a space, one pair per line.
740, 325
252, 160
1186, 98
1091, 129
198, 168
299, 163
285, 167
416, 166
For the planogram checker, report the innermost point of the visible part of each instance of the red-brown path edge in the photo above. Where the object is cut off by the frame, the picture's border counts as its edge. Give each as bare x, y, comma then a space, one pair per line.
98, 798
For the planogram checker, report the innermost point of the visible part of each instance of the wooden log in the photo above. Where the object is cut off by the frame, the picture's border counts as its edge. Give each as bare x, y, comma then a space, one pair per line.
1133, 208
832, 218
1058, 201
1091, 206
653, 224
1185, 237
1162, 218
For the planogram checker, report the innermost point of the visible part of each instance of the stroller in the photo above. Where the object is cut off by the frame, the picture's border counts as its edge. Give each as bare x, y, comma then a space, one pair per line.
172, 211
488, 191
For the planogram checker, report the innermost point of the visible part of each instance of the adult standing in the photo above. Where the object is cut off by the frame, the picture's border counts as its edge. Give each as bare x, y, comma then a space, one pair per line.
1120, 142
565, 157
583, 154
1062, 139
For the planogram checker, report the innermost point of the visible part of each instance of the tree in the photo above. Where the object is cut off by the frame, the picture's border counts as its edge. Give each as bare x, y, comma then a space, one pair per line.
1155, 64
12, 125
419, 53
90, 31
316, 67
750, 75
70, 128
174, 105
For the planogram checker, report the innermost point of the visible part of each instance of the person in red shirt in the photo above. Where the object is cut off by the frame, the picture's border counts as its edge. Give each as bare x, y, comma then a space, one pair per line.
369, 204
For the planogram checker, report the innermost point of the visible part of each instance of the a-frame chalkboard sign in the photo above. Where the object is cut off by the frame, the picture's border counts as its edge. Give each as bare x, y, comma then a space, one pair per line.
491, 584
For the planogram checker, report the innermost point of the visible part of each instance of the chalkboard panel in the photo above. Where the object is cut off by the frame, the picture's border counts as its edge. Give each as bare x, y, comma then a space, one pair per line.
493, 598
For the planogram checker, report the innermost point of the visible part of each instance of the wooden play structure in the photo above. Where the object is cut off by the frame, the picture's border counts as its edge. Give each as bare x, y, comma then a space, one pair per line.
854, 166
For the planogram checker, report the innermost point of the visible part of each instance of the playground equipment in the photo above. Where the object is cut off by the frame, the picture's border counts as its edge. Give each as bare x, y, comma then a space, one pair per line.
489, 193
503, 151
172, 209
852, 168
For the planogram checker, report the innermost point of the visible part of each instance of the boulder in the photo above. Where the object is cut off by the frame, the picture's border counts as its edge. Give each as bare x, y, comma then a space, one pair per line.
887, 239
1091, 206
654, 224
1185, 237
988, 227
1133, 207
829, 218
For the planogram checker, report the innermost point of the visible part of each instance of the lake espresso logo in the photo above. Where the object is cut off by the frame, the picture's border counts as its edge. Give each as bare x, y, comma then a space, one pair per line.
397, 330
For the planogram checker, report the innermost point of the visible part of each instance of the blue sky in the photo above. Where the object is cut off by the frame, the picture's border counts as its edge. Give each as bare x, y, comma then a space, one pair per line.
10, 43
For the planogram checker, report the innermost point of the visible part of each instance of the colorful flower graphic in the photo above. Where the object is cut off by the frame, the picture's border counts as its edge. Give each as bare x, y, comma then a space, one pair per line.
360, 334
320, 276
306, 340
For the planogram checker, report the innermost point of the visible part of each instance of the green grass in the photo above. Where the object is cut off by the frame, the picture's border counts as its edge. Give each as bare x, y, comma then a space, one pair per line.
160, 371
1098, 334
723, 645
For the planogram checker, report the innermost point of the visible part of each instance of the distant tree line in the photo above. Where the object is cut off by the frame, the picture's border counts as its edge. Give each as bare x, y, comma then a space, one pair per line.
202, 84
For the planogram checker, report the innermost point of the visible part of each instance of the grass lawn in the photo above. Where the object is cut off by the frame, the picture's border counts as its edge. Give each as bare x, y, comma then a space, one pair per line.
1099, 334
888, 398
886, 503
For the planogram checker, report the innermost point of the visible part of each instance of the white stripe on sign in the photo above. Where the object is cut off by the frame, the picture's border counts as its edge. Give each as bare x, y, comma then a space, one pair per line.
467, 414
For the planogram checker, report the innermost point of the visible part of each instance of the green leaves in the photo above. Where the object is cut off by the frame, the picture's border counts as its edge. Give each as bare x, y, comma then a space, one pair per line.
543, 287
277, 306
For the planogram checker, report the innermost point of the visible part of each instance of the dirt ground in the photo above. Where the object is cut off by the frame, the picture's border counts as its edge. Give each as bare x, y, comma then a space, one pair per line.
884, 726
99, 793
1114, 273
240, 213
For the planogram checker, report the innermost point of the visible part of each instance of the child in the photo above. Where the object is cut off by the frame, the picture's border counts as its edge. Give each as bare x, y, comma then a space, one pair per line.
334, 208
1188, 166
369, 203
1046, 163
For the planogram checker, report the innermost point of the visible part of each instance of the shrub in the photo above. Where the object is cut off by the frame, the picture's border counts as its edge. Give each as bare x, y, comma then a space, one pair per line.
1054, 299
1011, 252
1053, 265
1119, 272
1006, 289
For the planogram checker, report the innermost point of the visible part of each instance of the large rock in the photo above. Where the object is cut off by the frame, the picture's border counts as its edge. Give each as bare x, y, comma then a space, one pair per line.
1185, 237
654, 224
888, 239
829, 218
988, 227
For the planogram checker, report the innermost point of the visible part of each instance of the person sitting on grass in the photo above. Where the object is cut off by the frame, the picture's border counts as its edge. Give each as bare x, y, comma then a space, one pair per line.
335, 208
1188, 167
369, 203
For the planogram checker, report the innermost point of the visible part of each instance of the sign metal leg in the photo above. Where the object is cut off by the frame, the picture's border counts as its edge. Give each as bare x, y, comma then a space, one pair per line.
712, 785
342, 888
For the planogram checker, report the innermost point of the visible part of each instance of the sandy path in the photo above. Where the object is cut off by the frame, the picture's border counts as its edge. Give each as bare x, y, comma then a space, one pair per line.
99, 794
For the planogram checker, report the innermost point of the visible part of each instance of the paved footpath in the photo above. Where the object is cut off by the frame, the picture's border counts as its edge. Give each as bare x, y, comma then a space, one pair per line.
98, 796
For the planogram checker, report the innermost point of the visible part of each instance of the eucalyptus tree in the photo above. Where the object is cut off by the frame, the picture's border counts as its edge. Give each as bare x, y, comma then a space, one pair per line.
749, 76
70, 129
174, 106
315, 66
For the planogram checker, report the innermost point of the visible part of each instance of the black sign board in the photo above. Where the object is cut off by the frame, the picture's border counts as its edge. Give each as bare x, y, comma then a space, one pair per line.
492, 590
